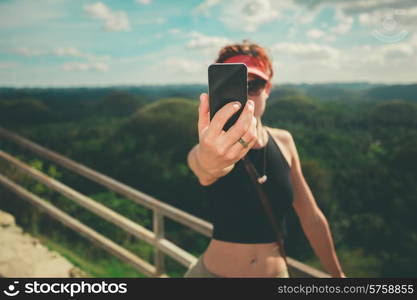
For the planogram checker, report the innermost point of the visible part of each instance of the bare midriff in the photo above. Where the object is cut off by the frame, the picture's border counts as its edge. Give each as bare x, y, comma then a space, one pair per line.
228, 259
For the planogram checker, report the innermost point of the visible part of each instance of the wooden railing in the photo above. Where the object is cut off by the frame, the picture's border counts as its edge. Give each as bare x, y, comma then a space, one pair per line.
161, 210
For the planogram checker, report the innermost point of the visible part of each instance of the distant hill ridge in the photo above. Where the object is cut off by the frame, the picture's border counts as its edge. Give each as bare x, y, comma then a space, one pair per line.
152, 92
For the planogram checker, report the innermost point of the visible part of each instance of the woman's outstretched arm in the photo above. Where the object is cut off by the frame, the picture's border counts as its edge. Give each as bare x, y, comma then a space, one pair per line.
312, 219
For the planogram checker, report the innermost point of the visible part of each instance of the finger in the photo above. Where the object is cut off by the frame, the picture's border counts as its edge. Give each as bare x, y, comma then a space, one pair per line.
221, 116
237, 149
240, 127
203, 112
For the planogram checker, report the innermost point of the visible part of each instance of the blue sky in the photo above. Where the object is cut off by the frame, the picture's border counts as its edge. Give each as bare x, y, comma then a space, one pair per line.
129, 42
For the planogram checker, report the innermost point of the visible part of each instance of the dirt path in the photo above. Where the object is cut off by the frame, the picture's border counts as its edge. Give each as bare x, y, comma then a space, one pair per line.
22, 255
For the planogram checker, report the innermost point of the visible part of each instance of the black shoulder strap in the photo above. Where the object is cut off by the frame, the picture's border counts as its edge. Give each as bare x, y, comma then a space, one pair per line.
267, 206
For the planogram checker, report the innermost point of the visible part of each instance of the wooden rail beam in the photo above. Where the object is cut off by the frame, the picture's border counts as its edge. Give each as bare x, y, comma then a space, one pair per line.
100, 240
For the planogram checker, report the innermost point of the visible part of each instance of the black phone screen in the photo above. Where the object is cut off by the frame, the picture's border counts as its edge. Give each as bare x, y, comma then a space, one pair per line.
227, 82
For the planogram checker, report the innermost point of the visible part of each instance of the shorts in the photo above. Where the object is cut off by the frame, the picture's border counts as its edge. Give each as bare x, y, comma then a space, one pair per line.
199, 270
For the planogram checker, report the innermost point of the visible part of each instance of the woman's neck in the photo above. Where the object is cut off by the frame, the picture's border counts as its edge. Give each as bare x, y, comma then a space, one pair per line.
262, 135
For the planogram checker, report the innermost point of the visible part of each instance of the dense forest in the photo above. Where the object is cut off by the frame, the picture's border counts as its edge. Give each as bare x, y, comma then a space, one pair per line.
357, 144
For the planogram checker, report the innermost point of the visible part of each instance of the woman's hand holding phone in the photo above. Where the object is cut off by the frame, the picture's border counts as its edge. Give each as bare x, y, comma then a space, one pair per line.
219, 150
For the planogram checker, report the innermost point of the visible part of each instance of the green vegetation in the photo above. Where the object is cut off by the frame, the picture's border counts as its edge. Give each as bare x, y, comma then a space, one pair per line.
357, 147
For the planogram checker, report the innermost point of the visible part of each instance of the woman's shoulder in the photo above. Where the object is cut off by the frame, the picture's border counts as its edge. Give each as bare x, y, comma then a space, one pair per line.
284, 140
282, 134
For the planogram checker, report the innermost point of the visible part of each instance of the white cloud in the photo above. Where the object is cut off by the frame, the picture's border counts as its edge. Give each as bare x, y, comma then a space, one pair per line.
144, 2
70, 51
306, 51
383, 15
392, 63
178, 65
4, 65
390, 20
363, 6
408, 17
390, 27
320, 34
389, 53
249, 14
29, 52
93, 63
23, 13
98, 10
175, 31
60, 51
205, 6
315, 33
143, 41
354, 7
82, 66
151, 20
345, 22
100, 66
114, 20
74, 52
201, 41
398, 51
160, 20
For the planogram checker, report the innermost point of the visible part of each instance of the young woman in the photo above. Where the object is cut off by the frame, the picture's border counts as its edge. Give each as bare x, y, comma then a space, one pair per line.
243, 243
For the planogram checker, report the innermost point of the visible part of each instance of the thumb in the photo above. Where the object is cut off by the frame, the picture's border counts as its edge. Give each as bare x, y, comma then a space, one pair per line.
203, 112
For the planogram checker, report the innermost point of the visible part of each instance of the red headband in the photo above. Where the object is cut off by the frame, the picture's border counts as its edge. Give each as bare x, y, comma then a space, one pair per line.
255, 65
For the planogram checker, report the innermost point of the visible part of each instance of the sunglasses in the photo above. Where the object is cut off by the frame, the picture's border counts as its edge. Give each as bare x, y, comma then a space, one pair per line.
255, 86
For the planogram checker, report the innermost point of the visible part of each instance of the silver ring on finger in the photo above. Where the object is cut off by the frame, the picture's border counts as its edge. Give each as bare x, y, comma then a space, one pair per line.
243, 142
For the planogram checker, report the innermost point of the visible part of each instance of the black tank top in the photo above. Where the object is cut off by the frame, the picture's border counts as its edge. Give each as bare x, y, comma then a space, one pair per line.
237, 213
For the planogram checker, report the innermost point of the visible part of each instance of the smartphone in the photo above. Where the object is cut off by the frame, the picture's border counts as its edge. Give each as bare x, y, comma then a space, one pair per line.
227, 82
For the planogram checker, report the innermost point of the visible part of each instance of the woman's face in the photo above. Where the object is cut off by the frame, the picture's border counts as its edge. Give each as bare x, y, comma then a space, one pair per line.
259, 99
